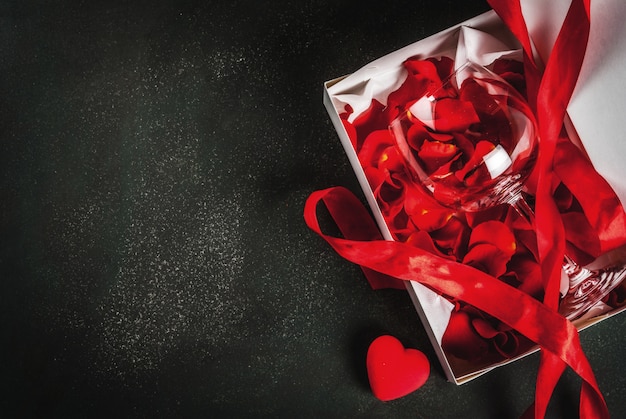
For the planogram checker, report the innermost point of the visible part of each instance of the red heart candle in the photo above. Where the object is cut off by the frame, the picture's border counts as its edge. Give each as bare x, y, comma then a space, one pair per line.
393, 370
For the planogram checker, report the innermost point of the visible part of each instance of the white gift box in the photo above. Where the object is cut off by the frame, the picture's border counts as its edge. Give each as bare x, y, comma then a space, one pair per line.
594, 119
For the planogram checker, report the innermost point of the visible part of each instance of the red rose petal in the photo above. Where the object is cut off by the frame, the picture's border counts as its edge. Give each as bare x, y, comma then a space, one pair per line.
504, 65
390, 160
479, 176
430, 219
487, 258
461, 340
444, 65
493, 122
417, 133
445, 170
373, 146
427, 68
426, 213
390, 194
493, 213
506, 343
394, 371
484, 328
401, 226
454, 115
482, 101
434, 154
452, 237
413, 87
374, 176
528, 273
475, 160
465, 144
513, 72
495, 233
374, 118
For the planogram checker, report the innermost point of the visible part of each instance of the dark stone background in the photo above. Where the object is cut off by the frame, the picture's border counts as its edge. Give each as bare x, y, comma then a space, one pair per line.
155, 158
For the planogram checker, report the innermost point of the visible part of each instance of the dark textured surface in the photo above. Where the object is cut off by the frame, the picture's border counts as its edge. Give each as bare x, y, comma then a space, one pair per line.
154, 159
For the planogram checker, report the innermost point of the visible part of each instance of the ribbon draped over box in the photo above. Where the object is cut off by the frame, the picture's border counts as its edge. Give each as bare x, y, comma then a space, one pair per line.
549, 89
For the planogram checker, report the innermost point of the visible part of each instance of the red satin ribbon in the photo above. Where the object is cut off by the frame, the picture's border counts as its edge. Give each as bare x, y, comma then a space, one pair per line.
549, 94
553, 95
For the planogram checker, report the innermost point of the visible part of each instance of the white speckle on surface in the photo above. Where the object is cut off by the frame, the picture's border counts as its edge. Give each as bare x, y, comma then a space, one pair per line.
181, 255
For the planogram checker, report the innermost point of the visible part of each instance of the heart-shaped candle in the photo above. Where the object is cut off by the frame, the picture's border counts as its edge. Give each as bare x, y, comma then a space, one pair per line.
393, 370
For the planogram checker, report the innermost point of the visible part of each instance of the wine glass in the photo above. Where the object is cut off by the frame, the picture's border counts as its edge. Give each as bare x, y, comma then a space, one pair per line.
471, 143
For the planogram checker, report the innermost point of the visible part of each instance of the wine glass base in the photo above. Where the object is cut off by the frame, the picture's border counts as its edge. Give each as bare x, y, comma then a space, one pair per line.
589, 290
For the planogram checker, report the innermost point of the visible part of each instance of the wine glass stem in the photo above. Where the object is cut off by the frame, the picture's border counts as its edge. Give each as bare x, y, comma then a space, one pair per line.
521, 206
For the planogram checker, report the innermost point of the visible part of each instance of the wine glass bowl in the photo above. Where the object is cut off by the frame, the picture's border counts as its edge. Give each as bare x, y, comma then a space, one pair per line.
471, 142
